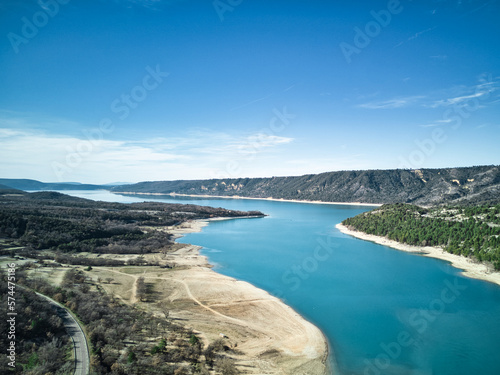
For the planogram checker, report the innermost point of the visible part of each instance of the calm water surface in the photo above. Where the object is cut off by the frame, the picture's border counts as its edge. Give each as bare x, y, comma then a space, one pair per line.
383, 311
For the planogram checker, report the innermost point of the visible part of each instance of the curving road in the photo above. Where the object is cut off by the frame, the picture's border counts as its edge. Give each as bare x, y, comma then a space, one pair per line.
82, 357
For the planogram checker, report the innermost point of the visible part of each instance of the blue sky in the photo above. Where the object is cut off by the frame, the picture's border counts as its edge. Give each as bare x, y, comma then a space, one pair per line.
128, 90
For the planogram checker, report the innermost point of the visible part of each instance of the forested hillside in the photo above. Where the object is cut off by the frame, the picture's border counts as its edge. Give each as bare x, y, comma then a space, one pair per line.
468, 231
473, 185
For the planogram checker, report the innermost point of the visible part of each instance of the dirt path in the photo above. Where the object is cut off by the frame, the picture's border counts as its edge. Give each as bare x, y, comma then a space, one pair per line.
188, 291
134, 299
133, 295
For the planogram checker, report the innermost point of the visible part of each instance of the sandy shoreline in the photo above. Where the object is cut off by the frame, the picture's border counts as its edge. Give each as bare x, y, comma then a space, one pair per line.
260, 199
468, 267
274, 337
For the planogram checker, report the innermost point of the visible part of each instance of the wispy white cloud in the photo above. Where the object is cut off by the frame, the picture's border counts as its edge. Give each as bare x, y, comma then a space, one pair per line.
264, 140
151, 4
455, 100
482, 6
415, 36
31, 153
482, 126
7, 133
474, 97
392, 103
462, 94
224, 144
429, 125
437, 123
453, 96
291, 87
368, 96
439, 57
251, 102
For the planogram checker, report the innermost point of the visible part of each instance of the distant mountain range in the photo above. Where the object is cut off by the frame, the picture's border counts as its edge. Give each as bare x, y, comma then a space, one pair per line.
25, 184
469, 185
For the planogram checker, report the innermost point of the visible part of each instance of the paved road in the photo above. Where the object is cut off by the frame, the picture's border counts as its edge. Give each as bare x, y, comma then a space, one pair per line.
82, 357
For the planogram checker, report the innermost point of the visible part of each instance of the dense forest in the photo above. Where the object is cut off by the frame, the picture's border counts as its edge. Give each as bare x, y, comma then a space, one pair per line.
49, 220
471, 231
472, 186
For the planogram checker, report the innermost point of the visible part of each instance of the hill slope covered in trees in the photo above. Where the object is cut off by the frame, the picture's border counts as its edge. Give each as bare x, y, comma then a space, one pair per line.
468, 231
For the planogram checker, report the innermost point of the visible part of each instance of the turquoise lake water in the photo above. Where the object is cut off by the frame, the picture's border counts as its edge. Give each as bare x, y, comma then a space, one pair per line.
383, 311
